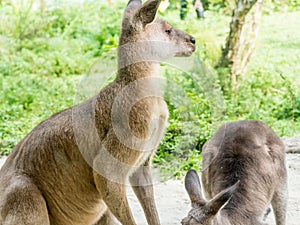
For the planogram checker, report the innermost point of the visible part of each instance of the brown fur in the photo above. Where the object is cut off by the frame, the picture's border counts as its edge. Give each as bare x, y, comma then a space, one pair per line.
244, 172
72, 168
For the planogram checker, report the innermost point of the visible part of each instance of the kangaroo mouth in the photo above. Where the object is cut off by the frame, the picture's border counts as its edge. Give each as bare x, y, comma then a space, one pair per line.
186, 53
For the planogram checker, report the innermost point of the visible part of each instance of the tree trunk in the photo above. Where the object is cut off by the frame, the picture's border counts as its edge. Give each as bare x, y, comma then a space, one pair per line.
42, 6
249, 43
230, 53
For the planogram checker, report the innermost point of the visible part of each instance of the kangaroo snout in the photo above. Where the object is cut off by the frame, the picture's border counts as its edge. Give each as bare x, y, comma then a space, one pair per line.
187, 46
193, 40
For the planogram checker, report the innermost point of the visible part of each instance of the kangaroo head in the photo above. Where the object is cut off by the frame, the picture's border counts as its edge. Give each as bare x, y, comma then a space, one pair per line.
204, 212
150, 35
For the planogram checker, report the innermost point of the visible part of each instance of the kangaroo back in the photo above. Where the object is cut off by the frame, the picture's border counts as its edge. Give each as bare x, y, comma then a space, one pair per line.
251, 154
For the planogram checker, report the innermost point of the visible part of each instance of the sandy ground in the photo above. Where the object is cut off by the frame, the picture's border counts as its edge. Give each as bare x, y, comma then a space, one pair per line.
173, 202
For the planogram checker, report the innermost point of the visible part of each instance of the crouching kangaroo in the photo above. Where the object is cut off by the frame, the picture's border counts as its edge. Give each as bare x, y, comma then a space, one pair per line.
64, 173
243, 173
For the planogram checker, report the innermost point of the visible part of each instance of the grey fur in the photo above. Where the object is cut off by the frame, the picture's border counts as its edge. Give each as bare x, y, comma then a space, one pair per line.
245, 163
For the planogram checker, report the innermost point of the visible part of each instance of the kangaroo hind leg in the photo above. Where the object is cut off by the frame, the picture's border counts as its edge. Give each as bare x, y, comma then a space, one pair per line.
108, 219
279, 204
22, 203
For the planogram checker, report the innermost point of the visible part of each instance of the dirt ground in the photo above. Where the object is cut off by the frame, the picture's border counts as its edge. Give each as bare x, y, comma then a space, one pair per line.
173, 202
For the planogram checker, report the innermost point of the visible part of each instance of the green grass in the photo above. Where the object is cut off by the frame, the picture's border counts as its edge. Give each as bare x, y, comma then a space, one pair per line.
27, 100
273, 73
44, 56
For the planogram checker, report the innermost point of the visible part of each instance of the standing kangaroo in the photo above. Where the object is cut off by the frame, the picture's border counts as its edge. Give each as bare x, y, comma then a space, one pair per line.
64, 173
243, 173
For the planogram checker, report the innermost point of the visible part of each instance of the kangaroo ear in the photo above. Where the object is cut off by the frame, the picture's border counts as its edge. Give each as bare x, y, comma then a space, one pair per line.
214, 205
132, 6
134, 3
193, 187
146, 14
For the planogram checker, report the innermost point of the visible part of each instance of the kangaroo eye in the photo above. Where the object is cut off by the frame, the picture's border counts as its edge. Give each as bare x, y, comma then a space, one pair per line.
168, 31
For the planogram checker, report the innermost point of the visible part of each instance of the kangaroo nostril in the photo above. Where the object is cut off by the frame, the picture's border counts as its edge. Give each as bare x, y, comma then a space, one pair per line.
192, 39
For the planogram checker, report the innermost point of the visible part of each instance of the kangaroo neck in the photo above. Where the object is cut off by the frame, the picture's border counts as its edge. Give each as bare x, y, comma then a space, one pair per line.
137, 70
137, 60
